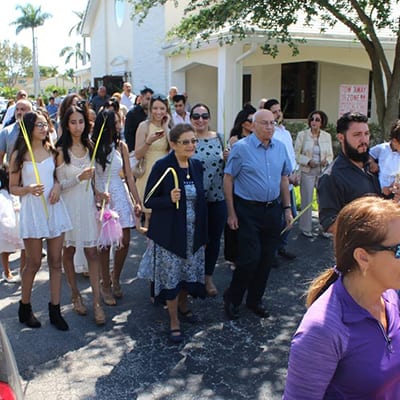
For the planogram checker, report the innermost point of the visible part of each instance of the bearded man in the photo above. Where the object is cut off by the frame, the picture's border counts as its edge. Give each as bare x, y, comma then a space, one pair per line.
348, 176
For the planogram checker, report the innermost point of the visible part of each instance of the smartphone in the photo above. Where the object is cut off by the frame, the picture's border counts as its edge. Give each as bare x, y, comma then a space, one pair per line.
159, 133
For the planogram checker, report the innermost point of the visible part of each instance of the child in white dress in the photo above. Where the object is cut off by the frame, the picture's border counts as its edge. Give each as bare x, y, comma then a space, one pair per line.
112, 161
9, 234
43, 214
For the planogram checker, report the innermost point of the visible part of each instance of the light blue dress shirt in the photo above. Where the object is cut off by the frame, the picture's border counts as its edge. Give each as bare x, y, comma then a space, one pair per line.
256, 169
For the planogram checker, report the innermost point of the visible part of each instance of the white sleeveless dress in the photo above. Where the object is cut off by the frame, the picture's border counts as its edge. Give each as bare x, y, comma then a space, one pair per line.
80, 203
34, 223
119, 201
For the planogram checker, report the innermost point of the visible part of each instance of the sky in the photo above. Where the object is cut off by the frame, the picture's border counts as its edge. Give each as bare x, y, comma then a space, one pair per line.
52, 36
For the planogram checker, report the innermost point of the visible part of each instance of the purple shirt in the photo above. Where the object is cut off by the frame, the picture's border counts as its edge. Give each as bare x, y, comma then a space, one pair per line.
340, 351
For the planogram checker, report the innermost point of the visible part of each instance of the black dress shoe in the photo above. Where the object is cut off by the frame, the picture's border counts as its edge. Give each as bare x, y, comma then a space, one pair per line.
286, 254
231, 311
259, 310
275, 263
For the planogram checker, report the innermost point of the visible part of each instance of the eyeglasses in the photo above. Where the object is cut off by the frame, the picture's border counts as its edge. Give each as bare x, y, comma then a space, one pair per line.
197, 116
266, 123
160, 97
41, 125
185, 142
316, 119
248, 120
395, 249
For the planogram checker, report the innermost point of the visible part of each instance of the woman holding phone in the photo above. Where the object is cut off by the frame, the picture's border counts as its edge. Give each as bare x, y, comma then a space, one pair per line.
152, 144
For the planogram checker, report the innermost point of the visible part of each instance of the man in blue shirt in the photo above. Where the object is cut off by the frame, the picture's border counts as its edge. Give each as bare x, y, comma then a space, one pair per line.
256, 187
52, 108
9, 134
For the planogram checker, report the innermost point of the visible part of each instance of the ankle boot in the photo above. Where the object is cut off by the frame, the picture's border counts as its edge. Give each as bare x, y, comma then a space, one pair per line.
56, 318
26, 316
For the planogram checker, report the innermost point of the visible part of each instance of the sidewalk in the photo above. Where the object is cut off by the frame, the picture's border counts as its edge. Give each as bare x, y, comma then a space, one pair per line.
130, 357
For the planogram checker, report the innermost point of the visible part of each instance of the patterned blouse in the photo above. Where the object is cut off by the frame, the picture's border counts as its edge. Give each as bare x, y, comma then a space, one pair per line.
210, 153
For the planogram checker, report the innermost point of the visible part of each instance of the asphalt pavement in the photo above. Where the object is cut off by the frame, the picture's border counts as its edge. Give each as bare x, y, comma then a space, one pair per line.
131, 358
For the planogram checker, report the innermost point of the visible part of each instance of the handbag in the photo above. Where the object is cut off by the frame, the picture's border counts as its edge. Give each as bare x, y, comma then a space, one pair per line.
138, 166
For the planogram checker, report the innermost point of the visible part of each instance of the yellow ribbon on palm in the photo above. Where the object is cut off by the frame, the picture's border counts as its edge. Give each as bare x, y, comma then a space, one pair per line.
176, 183
96, 146
35, 169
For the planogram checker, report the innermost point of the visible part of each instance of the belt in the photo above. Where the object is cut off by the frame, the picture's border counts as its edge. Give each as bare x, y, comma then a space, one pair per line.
266, 204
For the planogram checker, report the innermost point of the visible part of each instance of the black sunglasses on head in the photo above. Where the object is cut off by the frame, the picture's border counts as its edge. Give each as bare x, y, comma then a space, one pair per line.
197, 116
158, 97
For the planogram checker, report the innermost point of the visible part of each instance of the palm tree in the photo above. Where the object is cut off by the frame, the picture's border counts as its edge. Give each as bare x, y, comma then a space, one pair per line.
77, 29
75, 52
31, 18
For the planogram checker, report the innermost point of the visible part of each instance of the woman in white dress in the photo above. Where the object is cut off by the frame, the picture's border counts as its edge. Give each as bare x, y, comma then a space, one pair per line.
112, 162
73, 173
43, 215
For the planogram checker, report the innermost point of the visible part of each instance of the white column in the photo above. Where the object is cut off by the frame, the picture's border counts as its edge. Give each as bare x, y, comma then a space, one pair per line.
229, 87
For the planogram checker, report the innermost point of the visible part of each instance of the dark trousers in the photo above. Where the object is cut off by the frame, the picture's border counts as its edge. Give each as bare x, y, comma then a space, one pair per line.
216, 224
285, 236
258, 239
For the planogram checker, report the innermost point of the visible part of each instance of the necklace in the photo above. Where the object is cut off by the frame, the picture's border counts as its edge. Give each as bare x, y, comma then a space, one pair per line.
187, 173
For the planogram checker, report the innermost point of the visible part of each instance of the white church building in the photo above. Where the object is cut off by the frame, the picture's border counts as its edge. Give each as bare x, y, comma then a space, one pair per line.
227, 77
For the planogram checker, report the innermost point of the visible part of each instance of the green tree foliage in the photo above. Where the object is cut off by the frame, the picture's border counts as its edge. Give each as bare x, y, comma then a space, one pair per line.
15, 63
229, 21
77, 53
48, 72
31, 18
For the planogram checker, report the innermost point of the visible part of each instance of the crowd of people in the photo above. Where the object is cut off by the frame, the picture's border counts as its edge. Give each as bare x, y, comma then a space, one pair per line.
194, 185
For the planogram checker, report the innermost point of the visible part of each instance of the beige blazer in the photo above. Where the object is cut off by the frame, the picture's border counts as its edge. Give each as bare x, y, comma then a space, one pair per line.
304, 148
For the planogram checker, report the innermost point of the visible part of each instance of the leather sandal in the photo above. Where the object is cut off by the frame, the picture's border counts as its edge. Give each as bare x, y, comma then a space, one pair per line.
78, 305
188, 316
116, 289
99, 315
210, 287
175, 338
107, 296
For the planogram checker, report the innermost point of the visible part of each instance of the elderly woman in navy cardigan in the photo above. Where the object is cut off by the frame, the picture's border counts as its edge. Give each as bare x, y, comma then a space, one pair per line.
178, 229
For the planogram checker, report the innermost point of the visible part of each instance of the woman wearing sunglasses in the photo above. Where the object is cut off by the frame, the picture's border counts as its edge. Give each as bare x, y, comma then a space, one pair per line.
313, 148
152, 144
174, 259
348, 344
243, 125
210, 151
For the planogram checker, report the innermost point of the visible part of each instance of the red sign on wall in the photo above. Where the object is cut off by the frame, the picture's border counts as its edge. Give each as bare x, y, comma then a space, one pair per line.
353, 98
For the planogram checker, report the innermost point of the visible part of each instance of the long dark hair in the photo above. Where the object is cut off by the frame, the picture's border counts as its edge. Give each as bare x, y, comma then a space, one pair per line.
240, 119
109, 136
29, 120
4, 177
65, 141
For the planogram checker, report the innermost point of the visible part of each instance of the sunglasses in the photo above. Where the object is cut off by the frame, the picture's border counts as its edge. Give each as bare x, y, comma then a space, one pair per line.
249, 120
160, 97
316, 119
395, 249
197, 116
81, 103
188, 141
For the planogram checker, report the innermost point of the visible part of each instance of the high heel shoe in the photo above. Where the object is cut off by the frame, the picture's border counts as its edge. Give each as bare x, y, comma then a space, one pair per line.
26, 316
56, 318
99, 315
78, 305
107, 296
